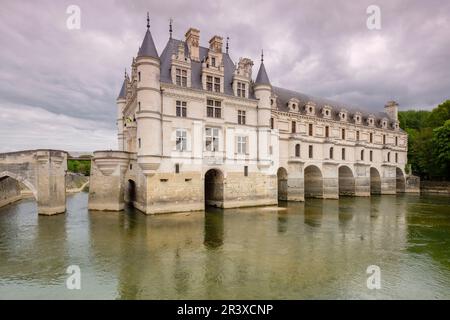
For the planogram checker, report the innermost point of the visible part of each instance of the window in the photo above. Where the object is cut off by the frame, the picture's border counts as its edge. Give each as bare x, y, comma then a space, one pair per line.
371, 137
293, 127
343, 134
270, 150
331, 153
396, 157
327, 131
213, 61
357, 135
213, 109
139, 142
212, 139
241, 145
217, 84
131, 166
343, 153
177, 168
241, 117
384, 139
209, 83
139, 76
181, 77
213, 83
272, 125
139, 106
371, 155
396, 141
181, 109
310, 129
362, 155
297, 150
181, 139
241, 89
310, 152
389, 157
246, 171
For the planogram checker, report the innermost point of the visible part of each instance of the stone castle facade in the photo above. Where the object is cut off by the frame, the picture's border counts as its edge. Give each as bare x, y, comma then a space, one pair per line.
194, 129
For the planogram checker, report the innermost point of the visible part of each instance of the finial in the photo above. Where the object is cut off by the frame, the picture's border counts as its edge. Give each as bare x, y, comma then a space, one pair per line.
148, 21
262, 55
170, 27
228, 38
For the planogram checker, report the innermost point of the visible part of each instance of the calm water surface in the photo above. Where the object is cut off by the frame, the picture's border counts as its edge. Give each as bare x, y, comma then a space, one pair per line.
317, 249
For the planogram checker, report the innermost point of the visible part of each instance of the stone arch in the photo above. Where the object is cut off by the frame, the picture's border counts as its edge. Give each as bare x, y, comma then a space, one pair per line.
346, 181
282, 177
214, 188
313, 182
400, 180
131, 192
375, 181
22, 180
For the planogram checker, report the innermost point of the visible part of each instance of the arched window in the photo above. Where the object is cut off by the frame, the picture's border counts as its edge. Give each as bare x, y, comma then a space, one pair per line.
362, 154
297, 150
331, 153
389, 157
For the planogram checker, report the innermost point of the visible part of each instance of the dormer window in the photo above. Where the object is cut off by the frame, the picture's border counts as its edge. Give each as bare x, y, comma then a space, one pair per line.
241, 90
395, 125
326, 112
357, 117
181, 77
213, 62
310, 108
343, 115
384, 123
371, 120
293, 104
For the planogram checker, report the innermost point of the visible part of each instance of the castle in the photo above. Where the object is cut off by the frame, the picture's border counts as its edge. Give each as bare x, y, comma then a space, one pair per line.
195, 129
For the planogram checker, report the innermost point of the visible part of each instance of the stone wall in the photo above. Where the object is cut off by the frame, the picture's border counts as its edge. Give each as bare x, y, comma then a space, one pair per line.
10, 191
435, 187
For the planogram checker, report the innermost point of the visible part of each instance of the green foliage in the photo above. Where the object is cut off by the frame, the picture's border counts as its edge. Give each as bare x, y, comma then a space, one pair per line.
79, 166
441, 149
428, 141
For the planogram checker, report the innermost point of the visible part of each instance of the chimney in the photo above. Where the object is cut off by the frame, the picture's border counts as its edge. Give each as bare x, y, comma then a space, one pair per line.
215, 44
391, 108
193, 40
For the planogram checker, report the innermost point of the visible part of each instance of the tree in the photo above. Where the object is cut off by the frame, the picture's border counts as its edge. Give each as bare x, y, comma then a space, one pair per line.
441, 150
439, 115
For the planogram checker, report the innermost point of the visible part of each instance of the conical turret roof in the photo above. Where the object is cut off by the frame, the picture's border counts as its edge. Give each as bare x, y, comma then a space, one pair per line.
262, 77
123, 91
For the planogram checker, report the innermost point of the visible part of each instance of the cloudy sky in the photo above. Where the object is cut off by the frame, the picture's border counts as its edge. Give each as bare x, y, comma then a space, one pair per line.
58, 86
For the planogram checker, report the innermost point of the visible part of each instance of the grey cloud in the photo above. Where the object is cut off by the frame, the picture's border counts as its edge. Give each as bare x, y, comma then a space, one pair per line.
321, 48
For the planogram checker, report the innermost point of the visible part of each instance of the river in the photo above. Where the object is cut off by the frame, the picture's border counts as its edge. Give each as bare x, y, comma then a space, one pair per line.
319, 249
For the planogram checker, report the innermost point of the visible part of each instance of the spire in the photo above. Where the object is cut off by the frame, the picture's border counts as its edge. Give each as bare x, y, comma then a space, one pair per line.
123, 90
262, 77
170, 27
148, 48
226, 47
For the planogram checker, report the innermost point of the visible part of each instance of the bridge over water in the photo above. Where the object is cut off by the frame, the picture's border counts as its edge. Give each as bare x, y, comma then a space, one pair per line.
43, 172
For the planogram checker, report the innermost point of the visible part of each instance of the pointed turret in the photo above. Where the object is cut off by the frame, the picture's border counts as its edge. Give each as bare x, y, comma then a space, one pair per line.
123, 91
262, 77
148, 48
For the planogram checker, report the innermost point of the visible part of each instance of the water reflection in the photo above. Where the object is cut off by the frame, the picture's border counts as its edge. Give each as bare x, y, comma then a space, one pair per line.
313, 249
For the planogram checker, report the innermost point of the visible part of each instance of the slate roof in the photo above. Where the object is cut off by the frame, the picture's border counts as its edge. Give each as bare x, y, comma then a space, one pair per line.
148, 49
262, 77
123, 91
283, 95
196, 67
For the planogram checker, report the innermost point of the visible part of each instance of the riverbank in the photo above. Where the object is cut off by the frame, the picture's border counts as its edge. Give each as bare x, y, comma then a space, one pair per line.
441, 187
